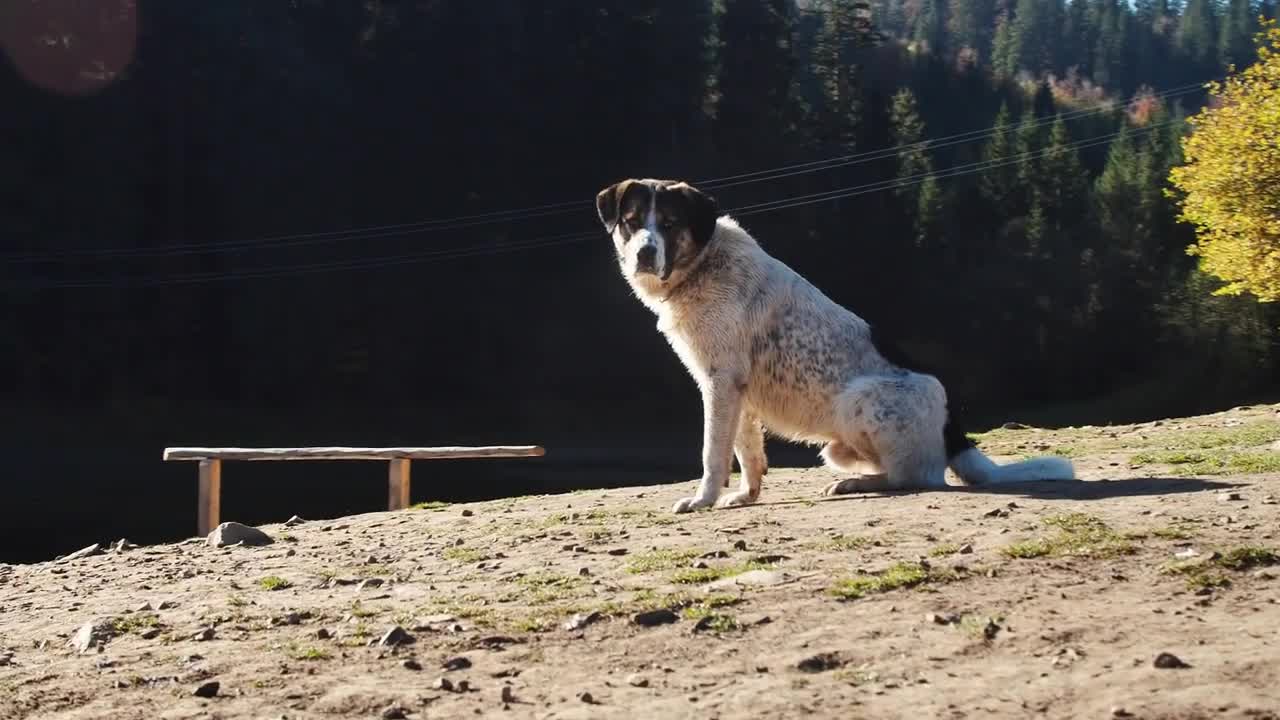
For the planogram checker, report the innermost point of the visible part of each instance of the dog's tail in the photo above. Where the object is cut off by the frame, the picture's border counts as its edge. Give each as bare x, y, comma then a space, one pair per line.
975, 468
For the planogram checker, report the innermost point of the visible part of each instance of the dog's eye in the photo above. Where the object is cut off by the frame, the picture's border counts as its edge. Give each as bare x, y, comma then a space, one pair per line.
667, 224
633, 223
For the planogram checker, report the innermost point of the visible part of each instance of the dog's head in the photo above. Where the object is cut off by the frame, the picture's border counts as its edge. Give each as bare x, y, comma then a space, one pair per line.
659, 227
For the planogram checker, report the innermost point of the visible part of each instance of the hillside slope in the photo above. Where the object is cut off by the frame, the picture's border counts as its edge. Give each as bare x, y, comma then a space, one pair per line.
1054, 600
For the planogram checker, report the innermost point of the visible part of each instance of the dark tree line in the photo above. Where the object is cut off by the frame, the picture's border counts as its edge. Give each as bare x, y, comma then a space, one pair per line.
1049, 275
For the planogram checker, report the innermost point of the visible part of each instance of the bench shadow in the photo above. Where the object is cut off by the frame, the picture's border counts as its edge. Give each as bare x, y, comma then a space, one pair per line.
1051, 490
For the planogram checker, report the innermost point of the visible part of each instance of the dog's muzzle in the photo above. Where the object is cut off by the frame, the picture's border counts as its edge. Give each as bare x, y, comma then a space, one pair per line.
646, 259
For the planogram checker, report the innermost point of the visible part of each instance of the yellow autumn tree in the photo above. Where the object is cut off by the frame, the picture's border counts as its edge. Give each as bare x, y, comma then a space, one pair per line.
1230, 176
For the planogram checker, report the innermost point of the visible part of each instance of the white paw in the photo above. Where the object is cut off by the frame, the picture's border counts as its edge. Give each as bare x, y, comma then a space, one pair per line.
690, 504
737, 499
842, 487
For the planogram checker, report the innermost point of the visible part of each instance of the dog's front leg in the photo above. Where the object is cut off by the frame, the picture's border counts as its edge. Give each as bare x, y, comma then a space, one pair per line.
721, 409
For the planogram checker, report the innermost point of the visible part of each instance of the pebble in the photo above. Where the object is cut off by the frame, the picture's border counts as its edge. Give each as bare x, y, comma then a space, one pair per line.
819, 663
6, 659
581, 620
966, 549
587, 698
1169, 661
293, 521
395, 636
508, 695
393, 712
1120, 712
203, 635
93, 634
232, 533
618, 551
443, 683
740, 545
1229, 497
456, 663
411, 664
208, 690
94, 549
467, 513
637, 680
654, 617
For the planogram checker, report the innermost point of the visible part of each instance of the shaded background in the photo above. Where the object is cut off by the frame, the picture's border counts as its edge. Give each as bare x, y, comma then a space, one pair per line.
211, 218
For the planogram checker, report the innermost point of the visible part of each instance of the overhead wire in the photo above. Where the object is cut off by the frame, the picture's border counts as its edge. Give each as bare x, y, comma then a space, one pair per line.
570, 238
553, 209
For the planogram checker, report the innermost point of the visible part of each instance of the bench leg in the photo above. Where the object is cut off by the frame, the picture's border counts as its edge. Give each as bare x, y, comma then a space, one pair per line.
398, 484
210, 496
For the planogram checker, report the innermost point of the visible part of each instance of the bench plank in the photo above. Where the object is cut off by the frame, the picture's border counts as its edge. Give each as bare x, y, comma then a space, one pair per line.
351, 453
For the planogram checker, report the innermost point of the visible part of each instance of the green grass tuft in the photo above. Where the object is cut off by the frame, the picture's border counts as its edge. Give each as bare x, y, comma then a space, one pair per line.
1078, 535
660, 560
433, 505
463, 554
899, 575
272, 582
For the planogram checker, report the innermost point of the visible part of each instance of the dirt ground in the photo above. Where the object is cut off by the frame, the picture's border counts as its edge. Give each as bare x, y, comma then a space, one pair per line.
1145, 591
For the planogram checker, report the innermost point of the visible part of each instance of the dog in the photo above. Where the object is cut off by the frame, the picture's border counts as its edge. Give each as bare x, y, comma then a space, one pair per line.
770, 352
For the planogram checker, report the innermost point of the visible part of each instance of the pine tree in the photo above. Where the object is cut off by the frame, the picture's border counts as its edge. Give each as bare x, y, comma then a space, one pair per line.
1027, 146
1115, 193
839, 117
1036, 34
969, 24
1000, 181
930, 31
1061, 180
1235, 37
919, 192
755, 84
1197, 31
1004, 59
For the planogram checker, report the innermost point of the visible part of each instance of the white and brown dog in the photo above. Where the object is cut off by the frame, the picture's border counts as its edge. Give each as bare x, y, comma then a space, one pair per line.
769, 351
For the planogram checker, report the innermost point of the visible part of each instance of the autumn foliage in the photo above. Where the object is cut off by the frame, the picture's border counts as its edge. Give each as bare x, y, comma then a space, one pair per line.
1230, 180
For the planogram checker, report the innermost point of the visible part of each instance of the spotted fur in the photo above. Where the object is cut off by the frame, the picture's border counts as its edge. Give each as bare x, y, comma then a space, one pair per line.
770, 352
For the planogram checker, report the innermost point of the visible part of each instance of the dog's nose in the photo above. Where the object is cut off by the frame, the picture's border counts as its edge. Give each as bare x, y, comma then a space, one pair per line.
646, 256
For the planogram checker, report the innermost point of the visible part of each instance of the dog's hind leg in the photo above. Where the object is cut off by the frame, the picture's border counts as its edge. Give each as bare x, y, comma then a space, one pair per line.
748, 446
898, 422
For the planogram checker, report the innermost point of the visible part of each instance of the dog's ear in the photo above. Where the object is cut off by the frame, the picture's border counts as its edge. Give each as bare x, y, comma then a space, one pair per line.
607, 205
703, 212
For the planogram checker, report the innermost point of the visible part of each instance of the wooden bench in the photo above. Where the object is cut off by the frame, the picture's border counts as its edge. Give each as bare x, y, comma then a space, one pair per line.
210, 459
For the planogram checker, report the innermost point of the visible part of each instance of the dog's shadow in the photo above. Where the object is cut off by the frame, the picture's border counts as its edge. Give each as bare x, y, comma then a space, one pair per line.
1051, 489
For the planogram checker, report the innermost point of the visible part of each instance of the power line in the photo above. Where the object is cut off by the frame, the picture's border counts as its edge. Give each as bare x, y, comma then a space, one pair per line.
570, 238
554, 209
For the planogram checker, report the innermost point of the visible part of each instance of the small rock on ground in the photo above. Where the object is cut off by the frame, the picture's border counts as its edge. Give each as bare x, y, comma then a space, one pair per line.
93, 634
208, 690
654, 617
232, 533
93, 549
1168, 661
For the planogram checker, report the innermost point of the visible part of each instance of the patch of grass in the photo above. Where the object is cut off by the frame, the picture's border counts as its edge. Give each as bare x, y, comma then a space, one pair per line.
1078, 535
360, 611
844, 543
236, 601
136, 623
463, 554
697, 576
433, 505
596, 536
543, 588
981, 627
715, 622
1173, 532
272, 582
1246, 558
944, 550
898, 575
533, 625
1206, 572
1198, 574
660, 560
309, 654
1221, 462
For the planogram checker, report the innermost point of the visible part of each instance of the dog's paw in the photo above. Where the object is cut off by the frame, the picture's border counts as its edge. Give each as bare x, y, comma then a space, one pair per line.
841, 487
690, 504
737, 499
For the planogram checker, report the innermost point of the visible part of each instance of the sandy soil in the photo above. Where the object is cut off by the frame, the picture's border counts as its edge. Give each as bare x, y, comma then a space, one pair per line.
1049, 600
